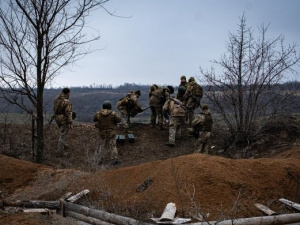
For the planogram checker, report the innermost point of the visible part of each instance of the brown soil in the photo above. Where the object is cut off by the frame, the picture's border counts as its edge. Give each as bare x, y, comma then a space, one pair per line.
224, 188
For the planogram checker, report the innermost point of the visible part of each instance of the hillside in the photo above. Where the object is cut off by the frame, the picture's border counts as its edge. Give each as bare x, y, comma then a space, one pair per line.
220, 187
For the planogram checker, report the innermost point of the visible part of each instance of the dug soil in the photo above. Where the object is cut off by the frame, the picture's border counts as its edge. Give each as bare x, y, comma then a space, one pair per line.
148, 176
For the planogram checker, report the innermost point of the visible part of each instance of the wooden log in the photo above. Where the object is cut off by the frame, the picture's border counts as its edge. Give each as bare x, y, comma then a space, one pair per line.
79, 195
86, 219
102, 215
44, 211
264, 220
265, 209
33, 204
290, 203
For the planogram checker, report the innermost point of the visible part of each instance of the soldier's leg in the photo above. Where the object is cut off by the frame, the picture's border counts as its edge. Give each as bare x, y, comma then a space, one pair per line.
64, 129
191, 116
125, 116
113, 149
160, 117
153, 116
172, 130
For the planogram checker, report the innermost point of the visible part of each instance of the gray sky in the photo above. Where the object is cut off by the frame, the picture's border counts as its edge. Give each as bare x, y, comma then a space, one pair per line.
164, 39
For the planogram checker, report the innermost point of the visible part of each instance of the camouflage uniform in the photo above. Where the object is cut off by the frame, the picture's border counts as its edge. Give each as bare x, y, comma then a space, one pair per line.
129, 105
175, 109
204, 122
157, 97
182, 89
63, 118
107, 121
192, 98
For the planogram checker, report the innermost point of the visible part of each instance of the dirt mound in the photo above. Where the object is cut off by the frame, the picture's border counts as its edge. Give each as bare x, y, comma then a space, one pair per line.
224, 188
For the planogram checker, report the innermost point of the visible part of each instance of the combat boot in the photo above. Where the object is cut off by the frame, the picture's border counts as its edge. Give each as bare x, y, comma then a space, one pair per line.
169, 144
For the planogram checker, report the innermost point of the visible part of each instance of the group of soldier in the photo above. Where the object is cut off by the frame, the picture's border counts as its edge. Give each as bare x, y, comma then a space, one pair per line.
165, 108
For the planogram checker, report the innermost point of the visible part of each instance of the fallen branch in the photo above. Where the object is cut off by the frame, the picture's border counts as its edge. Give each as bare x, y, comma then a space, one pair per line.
101, 215
86, 219
290, 203
264, 220
78, 196
45, 211
33, 204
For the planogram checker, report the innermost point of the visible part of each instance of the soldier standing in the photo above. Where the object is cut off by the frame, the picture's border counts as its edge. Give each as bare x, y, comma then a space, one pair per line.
192, 98
63, 117
107, 121
182, 88
202, 126
129, 105
158, 95
177, 114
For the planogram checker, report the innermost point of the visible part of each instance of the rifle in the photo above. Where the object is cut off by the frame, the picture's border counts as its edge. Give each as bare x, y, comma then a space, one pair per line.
134, 112
177, 102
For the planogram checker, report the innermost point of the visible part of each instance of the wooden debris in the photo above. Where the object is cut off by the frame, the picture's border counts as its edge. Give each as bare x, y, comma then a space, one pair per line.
43, 211
83, 218
169, 212
142, 187
290, 203
101, 215
265, 209
74, 198
33, 204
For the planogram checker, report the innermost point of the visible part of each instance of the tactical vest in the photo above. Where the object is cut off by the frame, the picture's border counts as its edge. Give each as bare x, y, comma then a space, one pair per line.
208, 122
197, 91
107, 121
58, 109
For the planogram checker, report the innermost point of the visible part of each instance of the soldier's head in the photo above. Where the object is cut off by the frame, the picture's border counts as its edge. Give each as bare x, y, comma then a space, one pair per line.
191, 79
66, 91
106, 105
138, 93
171, 89
183, 79
204, 107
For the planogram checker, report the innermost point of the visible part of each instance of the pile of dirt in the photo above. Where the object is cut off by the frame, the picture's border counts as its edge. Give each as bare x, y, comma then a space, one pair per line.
150, 176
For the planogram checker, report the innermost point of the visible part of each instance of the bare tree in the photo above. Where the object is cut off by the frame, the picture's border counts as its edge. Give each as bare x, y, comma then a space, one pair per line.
247, 90
37, 39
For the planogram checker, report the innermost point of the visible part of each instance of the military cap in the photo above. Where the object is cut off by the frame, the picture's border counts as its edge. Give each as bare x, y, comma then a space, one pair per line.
191, 79
182, 77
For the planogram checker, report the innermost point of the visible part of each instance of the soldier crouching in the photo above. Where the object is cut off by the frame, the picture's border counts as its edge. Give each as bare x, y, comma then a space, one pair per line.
107, 121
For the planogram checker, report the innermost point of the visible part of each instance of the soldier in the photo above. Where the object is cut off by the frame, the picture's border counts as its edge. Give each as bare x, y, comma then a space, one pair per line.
158, 95
177, 114
107, 121
63, 117
192, 98
129, 105
202, 126
182, 88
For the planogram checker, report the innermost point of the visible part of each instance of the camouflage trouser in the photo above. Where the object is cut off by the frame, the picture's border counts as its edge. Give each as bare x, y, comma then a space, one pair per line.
190, 116
108, 149
156, 112
126, 117
64, 129
202, 141
175, 127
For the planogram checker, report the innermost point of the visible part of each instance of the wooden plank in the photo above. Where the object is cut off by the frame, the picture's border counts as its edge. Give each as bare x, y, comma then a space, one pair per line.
265, 209
290, 203
79, 195
44, 211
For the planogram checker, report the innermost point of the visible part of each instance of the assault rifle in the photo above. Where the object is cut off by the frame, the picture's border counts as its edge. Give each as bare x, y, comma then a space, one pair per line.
177, 102
134, 112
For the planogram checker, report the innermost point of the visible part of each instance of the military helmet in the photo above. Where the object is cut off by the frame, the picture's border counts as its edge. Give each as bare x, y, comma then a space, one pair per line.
138, 92
191, 79
171, 89
106, 105
204, 107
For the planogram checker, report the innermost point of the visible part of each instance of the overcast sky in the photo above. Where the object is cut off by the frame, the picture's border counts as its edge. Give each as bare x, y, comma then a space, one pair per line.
161, 40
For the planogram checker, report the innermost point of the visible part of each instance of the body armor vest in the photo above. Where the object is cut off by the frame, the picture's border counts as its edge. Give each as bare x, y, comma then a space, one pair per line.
208, 122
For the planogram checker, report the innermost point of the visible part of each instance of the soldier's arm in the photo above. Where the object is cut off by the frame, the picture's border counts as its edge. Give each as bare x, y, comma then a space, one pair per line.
198, 120
96, 118
117, 117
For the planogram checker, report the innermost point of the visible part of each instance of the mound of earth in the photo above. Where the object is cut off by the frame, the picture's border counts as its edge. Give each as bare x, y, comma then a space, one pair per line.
222, 188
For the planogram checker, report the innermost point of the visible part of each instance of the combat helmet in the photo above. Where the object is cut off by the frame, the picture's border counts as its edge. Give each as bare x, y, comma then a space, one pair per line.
171, 89
106, 105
